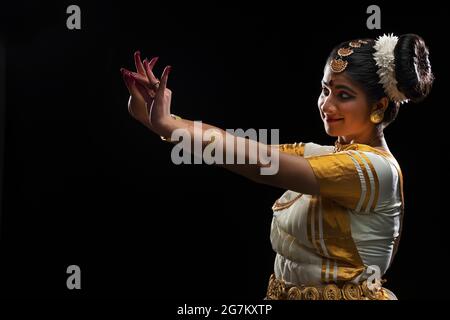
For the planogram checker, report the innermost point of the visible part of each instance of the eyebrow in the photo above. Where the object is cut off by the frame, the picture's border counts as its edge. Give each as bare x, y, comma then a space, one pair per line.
340, 86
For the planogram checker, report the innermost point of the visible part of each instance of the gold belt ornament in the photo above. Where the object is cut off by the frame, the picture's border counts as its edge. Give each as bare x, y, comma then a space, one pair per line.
277, 290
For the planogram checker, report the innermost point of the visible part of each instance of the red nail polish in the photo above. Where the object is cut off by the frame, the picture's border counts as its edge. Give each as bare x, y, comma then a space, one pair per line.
169, 68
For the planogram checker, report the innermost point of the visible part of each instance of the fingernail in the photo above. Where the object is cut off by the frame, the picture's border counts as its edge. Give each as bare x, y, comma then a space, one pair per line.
138, 53
121, 70
169, 68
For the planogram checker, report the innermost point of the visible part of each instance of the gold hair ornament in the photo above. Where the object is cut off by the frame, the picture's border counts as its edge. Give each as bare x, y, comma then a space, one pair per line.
338, 64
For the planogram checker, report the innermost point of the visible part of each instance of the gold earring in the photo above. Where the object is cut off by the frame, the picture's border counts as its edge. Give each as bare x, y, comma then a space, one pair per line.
376, 117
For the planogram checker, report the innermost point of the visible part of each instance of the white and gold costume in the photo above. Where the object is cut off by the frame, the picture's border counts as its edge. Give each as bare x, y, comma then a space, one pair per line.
354, 223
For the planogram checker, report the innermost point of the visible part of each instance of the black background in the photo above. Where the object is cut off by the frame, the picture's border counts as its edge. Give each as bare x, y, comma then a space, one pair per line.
85, 184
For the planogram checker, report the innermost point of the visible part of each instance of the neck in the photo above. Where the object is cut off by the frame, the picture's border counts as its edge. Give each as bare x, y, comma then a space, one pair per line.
374, 138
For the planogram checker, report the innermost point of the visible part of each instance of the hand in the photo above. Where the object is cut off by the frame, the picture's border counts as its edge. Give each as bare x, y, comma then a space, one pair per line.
149, 101
136, 102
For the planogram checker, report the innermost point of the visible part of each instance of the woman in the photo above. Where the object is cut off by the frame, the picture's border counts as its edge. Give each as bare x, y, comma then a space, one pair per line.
336, 230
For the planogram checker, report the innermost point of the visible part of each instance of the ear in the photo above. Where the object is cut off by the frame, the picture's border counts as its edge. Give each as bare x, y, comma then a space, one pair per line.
381, 104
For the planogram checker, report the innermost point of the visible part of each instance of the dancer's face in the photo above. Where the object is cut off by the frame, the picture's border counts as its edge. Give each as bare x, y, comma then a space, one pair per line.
343, 106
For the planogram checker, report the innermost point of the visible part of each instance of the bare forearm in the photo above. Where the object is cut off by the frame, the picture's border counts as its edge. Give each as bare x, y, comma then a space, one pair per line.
256, 161
235, 157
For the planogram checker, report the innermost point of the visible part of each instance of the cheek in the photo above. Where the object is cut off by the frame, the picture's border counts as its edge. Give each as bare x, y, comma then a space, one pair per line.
355, 111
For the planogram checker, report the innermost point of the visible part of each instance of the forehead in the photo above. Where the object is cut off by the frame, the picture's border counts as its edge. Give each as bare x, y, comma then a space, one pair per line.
336, 78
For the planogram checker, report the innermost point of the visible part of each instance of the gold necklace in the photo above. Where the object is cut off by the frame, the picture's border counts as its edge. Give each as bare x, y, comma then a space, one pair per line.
277, 206
339, 146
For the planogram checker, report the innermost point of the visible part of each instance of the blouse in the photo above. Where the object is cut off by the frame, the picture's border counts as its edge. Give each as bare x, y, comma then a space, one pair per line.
349, 230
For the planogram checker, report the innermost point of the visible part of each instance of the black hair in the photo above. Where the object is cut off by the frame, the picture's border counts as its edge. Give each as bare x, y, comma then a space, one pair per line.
412, 71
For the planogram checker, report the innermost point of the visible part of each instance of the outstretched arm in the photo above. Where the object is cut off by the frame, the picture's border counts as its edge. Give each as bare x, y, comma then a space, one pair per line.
294, 173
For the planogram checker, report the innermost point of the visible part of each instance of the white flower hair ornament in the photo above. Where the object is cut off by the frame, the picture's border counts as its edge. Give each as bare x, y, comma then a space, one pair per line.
384, 58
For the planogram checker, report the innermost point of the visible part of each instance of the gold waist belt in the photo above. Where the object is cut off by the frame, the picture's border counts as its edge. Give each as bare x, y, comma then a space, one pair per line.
278, 290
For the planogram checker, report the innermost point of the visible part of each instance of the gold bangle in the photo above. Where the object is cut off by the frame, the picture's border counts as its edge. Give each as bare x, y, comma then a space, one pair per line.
165, 139
176, 118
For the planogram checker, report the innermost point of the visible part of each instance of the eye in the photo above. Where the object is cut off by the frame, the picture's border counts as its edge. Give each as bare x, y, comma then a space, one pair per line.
344, 96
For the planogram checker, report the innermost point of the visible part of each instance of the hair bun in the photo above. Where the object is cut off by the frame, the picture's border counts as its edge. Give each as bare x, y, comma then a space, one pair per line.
412, 67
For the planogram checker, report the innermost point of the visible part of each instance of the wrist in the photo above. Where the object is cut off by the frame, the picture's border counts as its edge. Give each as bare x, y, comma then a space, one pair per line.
169, 126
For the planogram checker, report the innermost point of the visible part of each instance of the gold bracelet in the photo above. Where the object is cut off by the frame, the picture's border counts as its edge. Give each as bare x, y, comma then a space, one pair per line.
176, 118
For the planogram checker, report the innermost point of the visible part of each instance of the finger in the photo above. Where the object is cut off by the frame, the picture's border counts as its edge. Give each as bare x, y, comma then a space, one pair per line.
141, 81
144, 92
167, 105
148, 101
138, 63
160, 108
128, 79
152, 62
139, 113
125, 79
137, 76
144, 82
148, 66
163, 84
130, 83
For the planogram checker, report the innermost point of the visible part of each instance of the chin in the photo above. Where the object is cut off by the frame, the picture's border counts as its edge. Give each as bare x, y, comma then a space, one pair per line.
332, 132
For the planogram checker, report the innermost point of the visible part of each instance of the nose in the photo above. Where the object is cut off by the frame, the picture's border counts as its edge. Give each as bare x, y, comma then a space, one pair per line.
328, 105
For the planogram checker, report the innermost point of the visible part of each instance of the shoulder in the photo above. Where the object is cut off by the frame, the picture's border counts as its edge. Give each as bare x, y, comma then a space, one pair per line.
383, 162
305, 149
379, 172
314, 149
378, 164
357, 177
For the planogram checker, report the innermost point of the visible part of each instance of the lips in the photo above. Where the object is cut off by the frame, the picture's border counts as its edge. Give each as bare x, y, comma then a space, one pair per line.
333, 119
